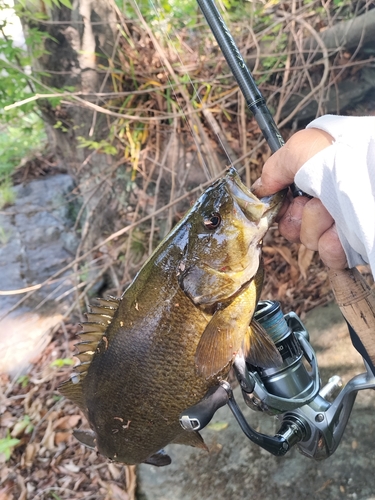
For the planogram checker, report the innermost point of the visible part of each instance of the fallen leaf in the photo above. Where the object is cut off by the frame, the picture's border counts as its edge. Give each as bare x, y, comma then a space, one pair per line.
71, 467
115, 471
6, 495
49, 437
67, 422
305, 257
29, 454
114, 492
61, 437
286, 253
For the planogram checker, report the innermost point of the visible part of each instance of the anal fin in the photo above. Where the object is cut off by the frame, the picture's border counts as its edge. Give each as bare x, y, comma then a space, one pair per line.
85, 437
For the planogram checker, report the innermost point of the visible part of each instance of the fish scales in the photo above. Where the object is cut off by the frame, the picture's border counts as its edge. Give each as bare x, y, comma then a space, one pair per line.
178, 327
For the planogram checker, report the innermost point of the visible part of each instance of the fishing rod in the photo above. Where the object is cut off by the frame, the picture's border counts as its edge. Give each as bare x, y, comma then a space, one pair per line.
308, 416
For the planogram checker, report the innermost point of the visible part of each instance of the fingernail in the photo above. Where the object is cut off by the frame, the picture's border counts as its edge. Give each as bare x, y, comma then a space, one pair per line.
257, 185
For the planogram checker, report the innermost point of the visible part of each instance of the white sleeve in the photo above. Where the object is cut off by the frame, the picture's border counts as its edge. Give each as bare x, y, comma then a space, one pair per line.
342, 176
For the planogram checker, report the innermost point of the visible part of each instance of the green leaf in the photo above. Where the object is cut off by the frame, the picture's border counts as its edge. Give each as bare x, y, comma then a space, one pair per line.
60, 362
67, 3
217, 426
7, 445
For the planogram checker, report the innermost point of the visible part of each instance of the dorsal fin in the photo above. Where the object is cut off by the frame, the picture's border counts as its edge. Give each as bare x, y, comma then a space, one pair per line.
105, 310
93, 326
91, 335
102, 319
72, 389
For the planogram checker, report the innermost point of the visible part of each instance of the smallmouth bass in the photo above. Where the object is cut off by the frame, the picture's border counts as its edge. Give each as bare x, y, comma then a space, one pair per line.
177, 328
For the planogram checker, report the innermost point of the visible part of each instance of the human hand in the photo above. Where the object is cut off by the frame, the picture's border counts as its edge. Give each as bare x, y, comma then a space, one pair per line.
302, 219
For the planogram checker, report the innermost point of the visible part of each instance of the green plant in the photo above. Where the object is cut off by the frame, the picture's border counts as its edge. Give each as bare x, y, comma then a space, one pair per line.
22, 129
4, 236
7, 446
102, 146
7, 194
61, 362
23, 426
23, 380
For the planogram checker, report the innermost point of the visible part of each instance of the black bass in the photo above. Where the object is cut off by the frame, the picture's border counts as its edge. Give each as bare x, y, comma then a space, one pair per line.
177, 328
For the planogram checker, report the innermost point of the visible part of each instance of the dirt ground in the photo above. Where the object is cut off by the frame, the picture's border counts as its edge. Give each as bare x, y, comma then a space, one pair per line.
235, 468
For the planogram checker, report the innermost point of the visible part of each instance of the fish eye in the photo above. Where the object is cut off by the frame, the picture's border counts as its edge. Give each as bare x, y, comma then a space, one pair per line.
213, 221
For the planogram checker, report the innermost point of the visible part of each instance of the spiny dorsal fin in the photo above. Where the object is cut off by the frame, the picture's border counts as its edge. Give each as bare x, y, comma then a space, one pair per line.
92, 333
90, 336
86, 346
94, 329
84, 357
111, 302
105, 311
103, 319
93, 326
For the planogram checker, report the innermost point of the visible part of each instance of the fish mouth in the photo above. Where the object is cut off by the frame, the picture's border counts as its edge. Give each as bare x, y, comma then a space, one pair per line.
254, 208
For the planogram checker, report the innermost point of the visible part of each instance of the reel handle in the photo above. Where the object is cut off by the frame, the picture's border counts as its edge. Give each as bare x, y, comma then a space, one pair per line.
198, 416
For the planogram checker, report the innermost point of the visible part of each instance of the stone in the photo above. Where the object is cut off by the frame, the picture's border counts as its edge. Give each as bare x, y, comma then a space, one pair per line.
34, 232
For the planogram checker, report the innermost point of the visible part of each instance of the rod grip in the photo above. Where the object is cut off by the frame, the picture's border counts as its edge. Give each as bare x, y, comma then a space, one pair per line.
356, 300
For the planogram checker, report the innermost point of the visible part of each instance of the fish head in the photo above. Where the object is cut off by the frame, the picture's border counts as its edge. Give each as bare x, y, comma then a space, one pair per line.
223, 249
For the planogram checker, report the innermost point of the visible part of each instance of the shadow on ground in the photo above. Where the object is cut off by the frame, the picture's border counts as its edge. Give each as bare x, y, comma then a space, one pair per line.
235, 468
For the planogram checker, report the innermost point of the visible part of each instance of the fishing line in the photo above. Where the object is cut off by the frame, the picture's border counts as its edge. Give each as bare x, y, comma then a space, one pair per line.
195, 94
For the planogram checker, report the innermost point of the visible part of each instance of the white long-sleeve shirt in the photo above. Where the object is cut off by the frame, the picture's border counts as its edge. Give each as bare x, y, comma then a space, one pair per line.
342, 176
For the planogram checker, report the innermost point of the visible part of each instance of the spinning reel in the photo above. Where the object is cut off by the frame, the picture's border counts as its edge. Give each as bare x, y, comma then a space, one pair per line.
291, 391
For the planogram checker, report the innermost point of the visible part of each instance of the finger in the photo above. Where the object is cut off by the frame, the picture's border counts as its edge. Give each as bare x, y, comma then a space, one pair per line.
331, 251
290, 223
315, 222
280, 169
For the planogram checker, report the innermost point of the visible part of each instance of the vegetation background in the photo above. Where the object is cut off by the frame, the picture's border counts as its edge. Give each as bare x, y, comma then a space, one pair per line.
135, 101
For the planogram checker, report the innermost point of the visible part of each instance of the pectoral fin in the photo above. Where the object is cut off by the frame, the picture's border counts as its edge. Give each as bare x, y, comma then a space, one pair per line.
159, 459
218, 345
228, 332
224, 334
259, 349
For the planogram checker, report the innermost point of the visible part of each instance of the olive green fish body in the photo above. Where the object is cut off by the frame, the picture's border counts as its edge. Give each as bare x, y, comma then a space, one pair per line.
144, 373
177, 329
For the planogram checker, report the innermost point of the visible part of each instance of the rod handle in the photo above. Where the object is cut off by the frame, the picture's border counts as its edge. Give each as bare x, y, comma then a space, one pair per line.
356, 300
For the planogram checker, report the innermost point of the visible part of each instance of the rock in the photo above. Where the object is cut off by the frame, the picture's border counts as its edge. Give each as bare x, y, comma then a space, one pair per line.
36, 240
236, 468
